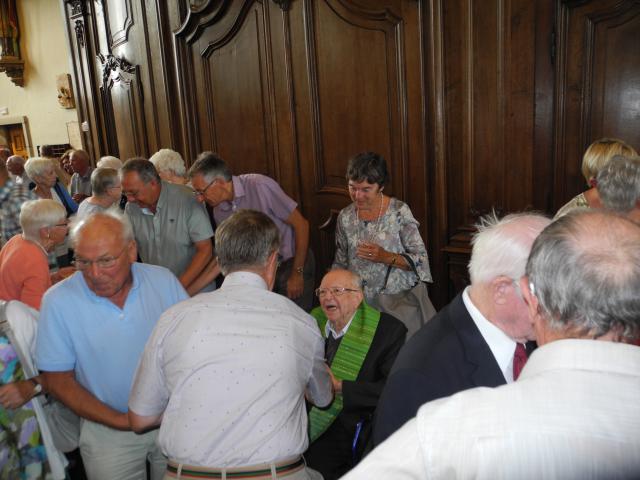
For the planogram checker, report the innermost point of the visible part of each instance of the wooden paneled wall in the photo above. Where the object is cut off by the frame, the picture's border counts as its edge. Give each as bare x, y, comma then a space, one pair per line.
476, 105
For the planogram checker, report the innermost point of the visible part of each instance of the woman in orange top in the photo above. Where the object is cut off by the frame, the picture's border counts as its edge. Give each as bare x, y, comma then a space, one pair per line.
24, 264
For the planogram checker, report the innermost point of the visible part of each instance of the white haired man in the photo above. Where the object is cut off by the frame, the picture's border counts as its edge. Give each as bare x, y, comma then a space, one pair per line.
226, 372
479, 338
93, 327
574, 411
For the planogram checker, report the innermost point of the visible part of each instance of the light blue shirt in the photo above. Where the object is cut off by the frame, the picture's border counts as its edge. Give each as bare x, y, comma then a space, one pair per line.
102, 343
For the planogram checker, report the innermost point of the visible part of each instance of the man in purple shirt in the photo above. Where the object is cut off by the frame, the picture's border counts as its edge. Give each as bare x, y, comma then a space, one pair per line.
213, 183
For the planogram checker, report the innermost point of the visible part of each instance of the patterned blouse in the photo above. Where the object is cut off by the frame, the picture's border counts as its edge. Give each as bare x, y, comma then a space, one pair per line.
576, 203
396, 231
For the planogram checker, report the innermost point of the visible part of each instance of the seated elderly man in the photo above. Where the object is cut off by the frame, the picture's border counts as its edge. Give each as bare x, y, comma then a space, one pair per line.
574, 411
361, 345
226, 372
93, 327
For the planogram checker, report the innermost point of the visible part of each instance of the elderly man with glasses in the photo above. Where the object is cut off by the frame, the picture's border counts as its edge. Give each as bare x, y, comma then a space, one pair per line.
361, 345
92, 330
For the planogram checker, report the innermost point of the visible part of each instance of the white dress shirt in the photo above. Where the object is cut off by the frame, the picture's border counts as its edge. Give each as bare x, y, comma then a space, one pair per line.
573, 414
229, 369
501, 345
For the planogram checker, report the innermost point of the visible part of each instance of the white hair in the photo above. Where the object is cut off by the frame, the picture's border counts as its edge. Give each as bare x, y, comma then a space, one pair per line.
502, 246
166, 159
37, 214
109, 162
36, 166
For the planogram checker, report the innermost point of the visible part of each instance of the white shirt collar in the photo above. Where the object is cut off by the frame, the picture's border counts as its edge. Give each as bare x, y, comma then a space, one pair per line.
328, 328
502, 346
242, 277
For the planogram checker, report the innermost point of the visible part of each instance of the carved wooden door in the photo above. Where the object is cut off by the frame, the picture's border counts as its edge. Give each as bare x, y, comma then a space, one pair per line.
293, 89
597, 83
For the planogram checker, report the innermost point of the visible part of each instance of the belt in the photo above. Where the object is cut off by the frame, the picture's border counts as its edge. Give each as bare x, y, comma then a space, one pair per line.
282, 469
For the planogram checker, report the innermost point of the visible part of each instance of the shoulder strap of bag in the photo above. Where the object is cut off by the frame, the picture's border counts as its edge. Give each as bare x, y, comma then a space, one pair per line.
409, 262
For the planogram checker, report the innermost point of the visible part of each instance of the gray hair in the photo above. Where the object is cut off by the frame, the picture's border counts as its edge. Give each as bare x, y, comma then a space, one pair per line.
36, 166
501, 246
245, 240
144, 168
584, 269
169, 160
109, 162
210, 166
37, 214
619, 184
78, 224
102, 179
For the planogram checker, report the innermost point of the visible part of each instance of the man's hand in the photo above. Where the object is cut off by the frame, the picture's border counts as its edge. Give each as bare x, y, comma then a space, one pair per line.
79, 197
15, 394
295, 285
335, 382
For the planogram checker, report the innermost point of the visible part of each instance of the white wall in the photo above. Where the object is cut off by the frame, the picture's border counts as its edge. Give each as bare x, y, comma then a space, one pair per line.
43, 46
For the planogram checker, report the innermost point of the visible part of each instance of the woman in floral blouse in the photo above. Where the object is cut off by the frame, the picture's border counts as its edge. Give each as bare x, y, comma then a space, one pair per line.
375, 231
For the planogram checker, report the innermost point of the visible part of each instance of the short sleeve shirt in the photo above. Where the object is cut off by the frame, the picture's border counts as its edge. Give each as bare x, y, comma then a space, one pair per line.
102, 343
167, 236
261, 193
81, 184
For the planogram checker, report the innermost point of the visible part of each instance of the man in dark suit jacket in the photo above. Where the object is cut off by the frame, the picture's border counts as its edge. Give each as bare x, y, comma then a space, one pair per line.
361, 345
473, 341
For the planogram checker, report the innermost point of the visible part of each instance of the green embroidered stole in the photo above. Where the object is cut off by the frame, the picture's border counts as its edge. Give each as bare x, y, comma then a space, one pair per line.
347, 362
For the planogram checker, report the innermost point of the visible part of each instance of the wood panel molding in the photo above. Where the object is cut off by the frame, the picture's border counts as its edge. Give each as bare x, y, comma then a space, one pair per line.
381, 20
120, 34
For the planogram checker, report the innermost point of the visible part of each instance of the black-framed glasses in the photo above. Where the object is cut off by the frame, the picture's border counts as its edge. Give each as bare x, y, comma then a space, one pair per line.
103, 262
197, 193
335, 291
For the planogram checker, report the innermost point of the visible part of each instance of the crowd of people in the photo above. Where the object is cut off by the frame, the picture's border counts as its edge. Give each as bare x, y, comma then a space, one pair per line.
160, 321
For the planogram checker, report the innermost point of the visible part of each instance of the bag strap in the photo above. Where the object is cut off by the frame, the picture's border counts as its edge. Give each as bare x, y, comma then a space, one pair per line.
409, 262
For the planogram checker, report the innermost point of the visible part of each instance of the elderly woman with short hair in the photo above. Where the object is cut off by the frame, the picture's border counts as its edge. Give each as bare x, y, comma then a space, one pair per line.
107, 190
42, 173
24, 265
378, 233
170, 166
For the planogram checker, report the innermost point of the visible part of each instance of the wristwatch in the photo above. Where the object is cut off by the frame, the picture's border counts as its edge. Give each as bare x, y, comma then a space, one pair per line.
300, 270
37, 388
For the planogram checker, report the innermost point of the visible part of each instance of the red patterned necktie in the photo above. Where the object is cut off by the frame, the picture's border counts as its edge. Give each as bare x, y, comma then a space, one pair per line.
519, 359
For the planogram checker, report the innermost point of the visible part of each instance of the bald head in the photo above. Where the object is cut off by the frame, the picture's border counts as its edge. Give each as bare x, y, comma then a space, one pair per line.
584, 270
104, 224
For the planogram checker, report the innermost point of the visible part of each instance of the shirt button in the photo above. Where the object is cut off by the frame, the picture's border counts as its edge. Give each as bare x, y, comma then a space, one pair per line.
122, 316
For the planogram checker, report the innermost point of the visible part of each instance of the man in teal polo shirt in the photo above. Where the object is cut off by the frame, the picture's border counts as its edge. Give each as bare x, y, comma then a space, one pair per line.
92, 330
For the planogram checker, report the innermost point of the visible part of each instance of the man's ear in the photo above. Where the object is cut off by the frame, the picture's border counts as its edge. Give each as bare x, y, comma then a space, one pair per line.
529, 297
500, 288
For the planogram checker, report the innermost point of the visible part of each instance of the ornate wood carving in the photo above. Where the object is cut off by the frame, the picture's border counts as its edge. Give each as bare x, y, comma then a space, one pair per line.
79, 29
283, 4
14, 70
77, 7
116, 70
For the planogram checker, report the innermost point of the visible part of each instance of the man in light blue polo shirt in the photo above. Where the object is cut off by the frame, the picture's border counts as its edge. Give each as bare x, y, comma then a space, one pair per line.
93, 328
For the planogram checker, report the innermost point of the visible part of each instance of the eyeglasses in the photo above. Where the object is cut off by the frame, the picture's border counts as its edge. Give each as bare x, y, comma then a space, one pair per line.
197, 193
64, 225
104, 262
335, 291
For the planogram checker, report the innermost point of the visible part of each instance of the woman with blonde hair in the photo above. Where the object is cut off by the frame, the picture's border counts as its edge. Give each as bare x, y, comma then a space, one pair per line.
596, 157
